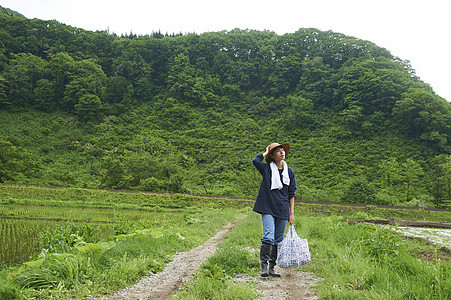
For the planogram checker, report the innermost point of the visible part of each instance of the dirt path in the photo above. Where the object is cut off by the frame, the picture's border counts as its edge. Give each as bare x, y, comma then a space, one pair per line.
292, 285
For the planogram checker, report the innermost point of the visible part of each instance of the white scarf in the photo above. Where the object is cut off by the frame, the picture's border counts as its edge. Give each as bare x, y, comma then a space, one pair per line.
275, 176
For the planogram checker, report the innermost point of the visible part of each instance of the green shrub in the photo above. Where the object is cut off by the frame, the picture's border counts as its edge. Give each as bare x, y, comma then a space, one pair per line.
63, 238
15, 162
385, 199
124, 228
381, 243
312, 194
359, 190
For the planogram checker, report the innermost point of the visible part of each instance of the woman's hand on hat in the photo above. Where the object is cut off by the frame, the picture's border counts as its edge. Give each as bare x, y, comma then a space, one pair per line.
267, 151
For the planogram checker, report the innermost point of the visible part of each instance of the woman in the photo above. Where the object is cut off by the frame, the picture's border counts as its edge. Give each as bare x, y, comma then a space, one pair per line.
275, 202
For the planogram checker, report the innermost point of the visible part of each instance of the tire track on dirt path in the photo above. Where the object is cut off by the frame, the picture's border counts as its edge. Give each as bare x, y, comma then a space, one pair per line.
176, 273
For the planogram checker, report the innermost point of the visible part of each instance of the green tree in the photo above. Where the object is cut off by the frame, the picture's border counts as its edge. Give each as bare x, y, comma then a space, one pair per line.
3, 97
130, 63
88, 107
118, 87
204, 91
141, 171
185, 83
369, 86
181, 77
113, 175
411, 173
425, 115
88, 79
134, 63
173, 114
300, 114
359, 190
446, 177
61, 69
389, 172
44, 94
314, 81
15, 162
21, 74
353, 116
285, 76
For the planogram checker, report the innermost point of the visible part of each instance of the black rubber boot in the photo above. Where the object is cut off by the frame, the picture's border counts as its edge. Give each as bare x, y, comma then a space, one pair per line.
265, 250
272, 261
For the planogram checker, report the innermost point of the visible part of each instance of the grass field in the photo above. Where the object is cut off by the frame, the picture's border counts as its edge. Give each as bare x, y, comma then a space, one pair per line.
91, 242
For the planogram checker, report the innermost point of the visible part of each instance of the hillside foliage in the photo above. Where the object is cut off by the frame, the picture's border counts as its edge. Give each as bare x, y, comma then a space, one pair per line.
188, 112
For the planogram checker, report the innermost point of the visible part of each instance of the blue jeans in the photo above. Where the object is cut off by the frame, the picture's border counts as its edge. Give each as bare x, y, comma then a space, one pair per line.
273, 229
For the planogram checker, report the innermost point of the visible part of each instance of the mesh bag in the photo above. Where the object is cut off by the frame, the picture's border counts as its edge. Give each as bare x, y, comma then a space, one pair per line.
292, 251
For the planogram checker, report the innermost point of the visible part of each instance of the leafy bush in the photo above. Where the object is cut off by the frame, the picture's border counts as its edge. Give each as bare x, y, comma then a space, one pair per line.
381, 243
15, 162
382, 198
124, 228
312, 194
359, 190
63, 238
141, 172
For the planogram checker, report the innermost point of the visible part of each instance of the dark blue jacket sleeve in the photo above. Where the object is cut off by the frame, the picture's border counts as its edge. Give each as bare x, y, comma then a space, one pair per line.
292, 187
258, 163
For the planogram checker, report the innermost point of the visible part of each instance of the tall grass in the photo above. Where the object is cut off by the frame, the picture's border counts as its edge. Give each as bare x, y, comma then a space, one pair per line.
366, 261
359, 261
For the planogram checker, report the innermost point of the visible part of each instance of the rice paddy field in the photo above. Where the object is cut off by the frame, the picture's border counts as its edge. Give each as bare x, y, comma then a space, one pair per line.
28, 213
21, 225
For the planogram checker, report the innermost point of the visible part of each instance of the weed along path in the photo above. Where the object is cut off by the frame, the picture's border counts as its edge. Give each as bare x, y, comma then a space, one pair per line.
161, 285
292, 285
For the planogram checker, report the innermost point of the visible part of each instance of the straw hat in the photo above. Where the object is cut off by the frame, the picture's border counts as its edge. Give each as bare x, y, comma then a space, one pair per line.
285, 147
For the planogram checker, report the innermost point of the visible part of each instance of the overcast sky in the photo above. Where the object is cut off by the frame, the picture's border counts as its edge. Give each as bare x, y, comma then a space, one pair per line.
414, 30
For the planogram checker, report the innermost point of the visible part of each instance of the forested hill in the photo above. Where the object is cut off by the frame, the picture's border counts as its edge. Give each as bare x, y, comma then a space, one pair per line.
187, 113
10, 12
